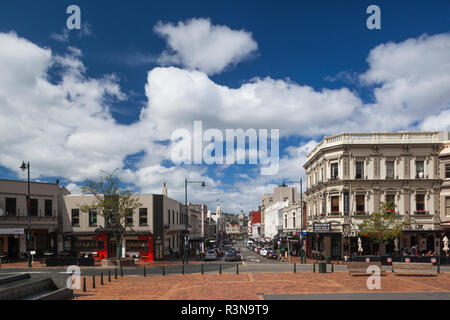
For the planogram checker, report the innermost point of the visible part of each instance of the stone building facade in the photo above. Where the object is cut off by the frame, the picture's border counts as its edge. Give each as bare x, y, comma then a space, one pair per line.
348, 175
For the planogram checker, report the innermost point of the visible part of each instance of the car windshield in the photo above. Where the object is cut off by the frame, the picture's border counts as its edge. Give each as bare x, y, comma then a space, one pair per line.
211, 252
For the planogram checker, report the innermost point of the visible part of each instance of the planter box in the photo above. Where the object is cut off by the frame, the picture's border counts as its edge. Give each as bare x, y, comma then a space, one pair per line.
114, 262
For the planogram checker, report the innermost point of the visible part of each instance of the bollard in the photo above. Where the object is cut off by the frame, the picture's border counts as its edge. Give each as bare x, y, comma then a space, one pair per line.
202, 268
163, 271
101, 278
93, 282
237, 268
182, 269
109, 275
332, 268
84, 284
115, 273
220, 269
295, 268
145, 272
121, 271
314, 267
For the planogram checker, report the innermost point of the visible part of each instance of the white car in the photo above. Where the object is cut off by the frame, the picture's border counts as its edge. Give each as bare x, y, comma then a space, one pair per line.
210, 255
263, 252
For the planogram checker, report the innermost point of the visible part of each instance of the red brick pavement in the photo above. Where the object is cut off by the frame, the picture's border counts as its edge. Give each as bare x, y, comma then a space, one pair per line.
248, 286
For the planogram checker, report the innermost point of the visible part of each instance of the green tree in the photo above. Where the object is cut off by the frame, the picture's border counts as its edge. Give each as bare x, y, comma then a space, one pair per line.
113, 204
384, 226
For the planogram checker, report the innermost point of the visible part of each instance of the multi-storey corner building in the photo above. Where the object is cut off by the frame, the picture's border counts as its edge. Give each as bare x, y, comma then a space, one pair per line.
444, 175
348, 175
46, 210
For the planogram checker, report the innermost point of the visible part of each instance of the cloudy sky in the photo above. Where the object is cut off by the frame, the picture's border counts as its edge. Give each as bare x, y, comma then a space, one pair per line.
109, 96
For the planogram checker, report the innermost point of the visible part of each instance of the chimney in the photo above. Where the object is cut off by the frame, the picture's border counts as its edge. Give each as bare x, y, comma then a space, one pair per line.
164, 189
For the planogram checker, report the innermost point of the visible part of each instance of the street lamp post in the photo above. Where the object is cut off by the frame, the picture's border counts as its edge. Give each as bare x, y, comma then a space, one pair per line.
27, 167
186, 237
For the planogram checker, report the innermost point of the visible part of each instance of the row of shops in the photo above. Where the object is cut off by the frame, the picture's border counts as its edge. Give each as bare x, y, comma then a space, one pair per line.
13, 242
338, 246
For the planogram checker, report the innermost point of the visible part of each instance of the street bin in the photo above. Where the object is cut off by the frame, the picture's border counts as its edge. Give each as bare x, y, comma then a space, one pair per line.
322, 267
328, 260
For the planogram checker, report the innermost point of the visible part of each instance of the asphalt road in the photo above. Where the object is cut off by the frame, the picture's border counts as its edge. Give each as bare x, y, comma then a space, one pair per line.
252, 263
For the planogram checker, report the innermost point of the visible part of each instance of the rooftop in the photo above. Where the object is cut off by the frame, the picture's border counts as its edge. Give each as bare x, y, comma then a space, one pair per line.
402, 137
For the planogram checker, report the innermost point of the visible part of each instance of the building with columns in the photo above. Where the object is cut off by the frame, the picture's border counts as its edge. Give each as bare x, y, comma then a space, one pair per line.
348, 175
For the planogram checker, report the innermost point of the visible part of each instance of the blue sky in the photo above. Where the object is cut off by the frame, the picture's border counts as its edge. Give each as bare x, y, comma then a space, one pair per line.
314, 62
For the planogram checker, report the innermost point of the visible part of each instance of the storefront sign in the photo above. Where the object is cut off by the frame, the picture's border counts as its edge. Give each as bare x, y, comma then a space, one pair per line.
352, 234
12, 231
322, 227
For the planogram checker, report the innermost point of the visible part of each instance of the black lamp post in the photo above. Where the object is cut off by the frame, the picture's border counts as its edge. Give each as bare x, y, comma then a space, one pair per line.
27, 167
186, 237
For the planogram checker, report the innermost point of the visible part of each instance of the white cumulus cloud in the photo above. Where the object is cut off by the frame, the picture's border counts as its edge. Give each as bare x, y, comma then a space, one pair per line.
197, 44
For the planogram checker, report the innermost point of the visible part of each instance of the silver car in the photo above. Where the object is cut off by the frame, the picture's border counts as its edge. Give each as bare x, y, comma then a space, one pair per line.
210, 255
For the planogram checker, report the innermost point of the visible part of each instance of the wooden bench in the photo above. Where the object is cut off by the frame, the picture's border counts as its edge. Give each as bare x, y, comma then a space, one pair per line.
408, 268
360, 268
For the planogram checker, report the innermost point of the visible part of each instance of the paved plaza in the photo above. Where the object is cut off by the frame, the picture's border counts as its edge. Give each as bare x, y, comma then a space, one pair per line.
259, 286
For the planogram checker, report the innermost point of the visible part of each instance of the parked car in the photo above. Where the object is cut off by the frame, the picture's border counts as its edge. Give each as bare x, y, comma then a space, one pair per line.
210, 255
258, 249
272, 254
218, 252
232, 256
263, 251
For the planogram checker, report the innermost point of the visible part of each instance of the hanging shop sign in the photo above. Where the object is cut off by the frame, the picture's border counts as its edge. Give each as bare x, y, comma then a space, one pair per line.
322, 227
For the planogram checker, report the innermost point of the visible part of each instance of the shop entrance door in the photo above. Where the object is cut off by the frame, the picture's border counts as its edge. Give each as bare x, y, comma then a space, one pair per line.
336, 248
13, 247
112, 248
